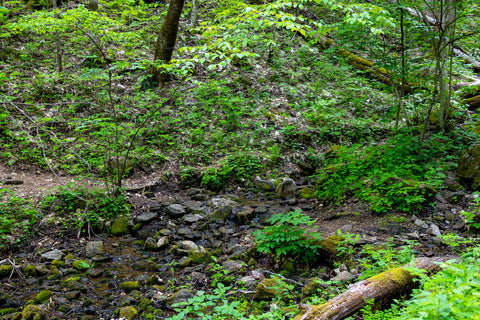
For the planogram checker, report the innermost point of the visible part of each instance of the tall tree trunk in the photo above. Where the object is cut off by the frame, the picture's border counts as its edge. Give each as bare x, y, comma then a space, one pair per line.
167, 37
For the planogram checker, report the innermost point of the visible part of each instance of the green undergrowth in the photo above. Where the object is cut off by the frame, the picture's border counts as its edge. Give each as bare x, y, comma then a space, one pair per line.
68, 210
401, 173
18, 217
84, 210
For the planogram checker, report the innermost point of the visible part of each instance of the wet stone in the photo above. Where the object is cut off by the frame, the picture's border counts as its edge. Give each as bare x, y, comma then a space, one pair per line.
145, 265
176, 210
95, 272
52, 255
191, 218
184, 231
193, 206
261, 209
147, 216
93, 248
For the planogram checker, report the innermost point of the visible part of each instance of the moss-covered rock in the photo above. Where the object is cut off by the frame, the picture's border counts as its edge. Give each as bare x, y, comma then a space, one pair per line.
130, 285
287, 268
310, 288
127, 313
200, 255
468, 169
30, 271
120, 226
7, 311
269, 289
330, 246
6, 270
180, 296
32, 312
81, 265
43, 296
58, 263
306, 193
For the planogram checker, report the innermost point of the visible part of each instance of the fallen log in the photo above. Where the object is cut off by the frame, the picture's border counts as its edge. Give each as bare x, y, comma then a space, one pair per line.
474, 63
473, 102
382, 287
379, 73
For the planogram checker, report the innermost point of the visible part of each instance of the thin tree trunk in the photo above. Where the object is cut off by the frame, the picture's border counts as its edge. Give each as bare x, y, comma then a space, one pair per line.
167, 37
58, 43
194, 14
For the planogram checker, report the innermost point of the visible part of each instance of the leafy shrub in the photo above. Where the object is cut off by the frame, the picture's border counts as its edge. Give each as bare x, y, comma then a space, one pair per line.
402, 173
376, 259
286, 237
236, 168
85, 208
453, 293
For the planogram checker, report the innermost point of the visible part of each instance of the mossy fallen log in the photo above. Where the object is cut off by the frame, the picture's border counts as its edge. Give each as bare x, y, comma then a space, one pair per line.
473, 102
382, 287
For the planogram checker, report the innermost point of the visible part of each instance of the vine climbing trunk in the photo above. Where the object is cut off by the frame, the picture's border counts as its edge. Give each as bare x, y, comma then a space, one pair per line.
167, 37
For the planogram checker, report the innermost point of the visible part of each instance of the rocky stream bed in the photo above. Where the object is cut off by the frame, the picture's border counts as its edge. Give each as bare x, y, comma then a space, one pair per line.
172, 243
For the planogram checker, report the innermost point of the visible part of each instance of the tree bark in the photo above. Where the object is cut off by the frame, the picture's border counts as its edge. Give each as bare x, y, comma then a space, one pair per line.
167, 37
382, 287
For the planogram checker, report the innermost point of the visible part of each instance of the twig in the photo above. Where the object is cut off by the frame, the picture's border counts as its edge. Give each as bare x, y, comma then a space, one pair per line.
280, 276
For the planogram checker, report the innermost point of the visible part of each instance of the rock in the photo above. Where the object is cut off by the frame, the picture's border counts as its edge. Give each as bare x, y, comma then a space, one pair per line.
193, 206
175, 210
162, 242
263, 185
421, 223
413, 235
287, 268
6, 270
145, 265
95, 272
261, 209
146, 217
244, 216
93, 248
468, 169
185, 232
347, 228
81, 265
454, 197
269, 289
32, 312
287, 189
236, 249
232, 265
191, 218
311, 287
434, 230
30, 271
200, 255
223, 208
343, 276
180, 296
43, 296
130, 285
127, 313
187, 246
193, 191
150, 244
120, 226
306, 192
52, 255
